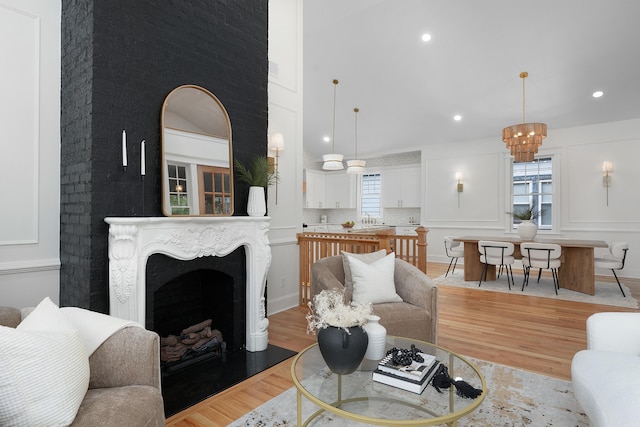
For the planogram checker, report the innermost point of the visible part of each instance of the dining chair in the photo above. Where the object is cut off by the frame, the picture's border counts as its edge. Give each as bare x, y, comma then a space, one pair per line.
541, 255
496, 253
618, 254
454, 250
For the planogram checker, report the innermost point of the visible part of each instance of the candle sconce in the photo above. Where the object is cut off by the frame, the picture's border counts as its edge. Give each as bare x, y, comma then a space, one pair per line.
607, 168
276, 143
460, 187
124, 151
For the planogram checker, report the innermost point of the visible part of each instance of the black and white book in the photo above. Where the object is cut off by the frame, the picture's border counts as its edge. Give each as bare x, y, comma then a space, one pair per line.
408, 384
414, 371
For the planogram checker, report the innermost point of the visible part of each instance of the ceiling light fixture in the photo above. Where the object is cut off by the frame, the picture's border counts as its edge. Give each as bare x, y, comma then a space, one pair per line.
457, 117
426, 37
333, 162
356, 166
598, 94
524, 139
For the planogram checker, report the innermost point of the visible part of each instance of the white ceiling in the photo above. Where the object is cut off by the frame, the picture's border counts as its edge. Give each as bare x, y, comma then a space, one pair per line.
408, 91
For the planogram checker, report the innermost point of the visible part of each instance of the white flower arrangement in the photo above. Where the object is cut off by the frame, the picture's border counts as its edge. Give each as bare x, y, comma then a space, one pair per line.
329, 309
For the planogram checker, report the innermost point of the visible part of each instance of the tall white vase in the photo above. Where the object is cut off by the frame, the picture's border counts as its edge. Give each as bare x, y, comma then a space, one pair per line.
256, 206
376, 349
527, 230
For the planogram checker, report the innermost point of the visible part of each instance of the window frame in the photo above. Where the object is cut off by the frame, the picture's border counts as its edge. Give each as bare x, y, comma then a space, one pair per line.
187, 195
361, 199
553, 227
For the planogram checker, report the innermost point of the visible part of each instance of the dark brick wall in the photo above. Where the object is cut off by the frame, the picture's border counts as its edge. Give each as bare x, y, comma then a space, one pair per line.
119, 61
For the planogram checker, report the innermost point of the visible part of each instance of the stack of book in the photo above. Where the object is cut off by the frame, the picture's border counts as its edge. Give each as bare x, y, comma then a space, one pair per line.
414, 377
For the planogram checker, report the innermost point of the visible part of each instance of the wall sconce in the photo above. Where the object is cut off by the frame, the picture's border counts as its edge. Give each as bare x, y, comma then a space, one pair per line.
607, 168
459, 179
460, 186
276, 143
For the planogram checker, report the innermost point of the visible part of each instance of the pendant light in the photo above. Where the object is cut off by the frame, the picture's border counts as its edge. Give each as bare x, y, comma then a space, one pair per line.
333, 162
356, 166
524, 139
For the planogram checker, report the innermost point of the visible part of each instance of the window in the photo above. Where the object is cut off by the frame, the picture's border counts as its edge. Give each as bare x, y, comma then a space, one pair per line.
178, 190
370, 195
533, 187
215, 190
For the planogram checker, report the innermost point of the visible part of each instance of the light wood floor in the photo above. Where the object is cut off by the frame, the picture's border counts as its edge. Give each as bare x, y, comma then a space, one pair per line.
535, 334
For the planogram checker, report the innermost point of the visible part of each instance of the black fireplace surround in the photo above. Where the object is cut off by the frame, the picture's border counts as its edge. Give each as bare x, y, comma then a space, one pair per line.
120, 59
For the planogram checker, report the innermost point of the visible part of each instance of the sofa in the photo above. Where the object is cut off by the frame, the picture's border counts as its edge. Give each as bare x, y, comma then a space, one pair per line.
606, 376
123, 379
416, 316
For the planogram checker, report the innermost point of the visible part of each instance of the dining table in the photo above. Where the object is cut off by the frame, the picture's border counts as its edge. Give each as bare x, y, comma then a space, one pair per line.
575, 273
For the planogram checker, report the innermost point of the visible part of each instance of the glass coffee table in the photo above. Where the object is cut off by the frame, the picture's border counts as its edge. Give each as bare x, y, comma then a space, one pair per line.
357, 397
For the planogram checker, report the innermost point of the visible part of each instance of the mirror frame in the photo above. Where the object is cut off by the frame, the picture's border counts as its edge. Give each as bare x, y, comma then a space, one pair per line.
165, 177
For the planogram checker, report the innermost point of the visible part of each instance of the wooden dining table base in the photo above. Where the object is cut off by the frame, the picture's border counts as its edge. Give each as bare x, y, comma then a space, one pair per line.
575, 273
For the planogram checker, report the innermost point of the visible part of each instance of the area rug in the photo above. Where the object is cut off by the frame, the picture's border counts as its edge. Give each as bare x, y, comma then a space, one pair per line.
607, 293
515, 398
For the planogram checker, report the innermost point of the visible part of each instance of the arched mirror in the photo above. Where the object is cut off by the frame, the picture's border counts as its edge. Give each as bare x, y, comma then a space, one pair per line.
197, 172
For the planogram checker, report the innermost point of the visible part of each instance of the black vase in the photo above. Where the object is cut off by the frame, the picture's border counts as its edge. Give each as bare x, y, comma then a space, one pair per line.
341, 350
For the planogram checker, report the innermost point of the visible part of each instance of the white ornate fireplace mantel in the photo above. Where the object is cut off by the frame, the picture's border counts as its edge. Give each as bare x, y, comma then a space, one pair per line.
132, 240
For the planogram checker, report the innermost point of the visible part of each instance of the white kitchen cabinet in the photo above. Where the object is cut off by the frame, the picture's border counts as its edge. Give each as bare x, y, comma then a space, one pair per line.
340, 191
314, 189
401, 188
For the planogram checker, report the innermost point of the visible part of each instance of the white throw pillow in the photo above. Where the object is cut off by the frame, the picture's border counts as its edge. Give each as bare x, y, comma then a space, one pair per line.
373, 282
44, 369
368, 258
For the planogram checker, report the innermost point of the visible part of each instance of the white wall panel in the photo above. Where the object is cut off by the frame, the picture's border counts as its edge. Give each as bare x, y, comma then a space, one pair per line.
19, 109
30, 164
285, 116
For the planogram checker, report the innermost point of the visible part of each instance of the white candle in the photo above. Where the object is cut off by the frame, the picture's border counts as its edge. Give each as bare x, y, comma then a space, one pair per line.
124, 148
142, 159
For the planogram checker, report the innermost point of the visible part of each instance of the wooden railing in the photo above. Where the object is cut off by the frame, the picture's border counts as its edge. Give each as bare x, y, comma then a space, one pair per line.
314, 246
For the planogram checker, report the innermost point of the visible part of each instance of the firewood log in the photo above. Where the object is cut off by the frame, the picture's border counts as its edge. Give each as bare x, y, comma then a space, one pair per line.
171, 340
196, 327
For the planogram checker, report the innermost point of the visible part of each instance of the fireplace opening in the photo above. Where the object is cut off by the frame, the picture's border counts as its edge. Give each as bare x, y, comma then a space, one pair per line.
195, 316
195, 302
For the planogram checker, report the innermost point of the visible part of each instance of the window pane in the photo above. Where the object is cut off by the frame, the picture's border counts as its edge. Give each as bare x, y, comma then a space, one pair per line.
208, 204
182, 172
226, 179
533, 188
371, 185
208, 184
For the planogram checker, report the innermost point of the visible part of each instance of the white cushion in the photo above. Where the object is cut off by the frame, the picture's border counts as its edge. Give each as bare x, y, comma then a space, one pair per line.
44, 370
373, 283
607, 386
368, 258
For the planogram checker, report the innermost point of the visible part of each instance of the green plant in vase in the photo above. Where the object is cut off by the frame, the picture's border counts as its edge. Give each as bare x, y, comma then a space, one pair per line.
259, 175
526, 214
527, 228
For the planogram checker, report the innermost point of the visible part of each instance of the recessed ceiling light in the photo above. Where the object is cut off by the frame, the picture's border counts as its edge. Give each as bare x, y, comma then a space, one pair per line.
457, 117
426, 37
326, 139
598, 94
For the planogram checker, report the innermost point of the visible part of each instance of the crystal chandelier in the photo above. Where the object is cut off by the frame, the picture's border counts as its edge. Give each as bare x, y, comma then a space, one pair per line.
524, 139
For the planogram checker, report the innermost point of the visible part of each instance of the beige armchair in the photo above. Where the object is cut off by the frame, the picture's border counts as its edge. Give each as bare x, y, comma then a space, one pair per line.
124, 385
415, 317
